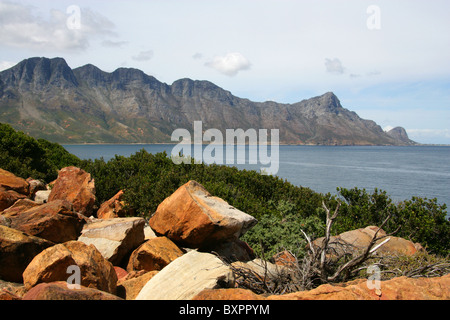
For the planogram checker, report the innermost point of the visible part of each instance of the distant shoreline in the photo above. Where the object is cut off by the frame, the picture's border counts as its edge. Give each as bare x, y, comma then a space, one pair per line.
281, 144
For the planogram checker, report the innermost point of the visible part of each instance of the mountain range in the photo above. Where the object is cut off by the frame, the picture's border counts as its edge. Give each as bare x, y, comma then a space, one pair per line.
47, 99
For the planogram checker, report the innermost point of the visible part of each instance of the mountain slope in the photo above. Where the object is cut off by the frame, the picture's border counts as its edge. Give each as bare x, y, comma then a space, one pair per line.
47, 99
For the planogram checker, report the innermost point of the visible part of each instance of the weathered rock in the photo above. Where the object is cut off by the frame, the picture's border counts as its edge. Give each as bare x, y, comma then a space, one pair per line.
402, 288
53, 221
9, 181
129, 289
42, 196
355, 240
113, 208
193, 218
17, 249
77, 187
187, 276
59, 290
285, 258
35, 186
52, 265
154, 254
19, 206
6, 295
16, 289
114, 238
8, 198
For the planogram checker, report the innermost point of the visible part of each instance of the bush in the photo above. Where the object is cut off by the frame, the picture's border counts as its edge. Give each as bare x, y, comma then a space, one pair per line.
27, 157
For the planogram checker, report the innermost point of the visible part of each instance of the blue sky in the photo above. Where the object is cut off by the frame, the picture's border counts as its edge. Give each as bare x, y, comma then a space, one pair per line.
386, 60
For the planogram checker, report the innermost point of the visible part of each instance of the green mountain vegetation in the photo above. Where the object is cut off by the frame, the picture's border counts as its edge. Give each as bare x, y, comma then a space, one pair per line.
283, 210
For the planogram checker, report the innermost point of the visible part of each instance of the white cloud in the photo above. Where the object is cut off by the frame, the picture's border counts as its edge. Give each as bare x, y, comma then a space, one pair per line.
143, 56
6, 65
230, 64
21, 27
334, 66
113, 44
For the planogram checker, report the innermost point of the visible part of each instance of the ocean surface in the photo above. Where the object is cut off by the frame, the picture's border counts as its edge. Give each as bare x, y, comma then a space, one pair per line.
403, 172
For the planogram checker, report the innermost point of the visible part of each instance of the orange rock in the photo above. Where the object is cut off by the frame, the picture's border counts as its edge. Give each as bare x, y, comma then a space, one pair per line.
77, 187
113, 208
52, 265
54, 221
18, 207
401, 288
227, 294
194, 218
59, 291
9, 181
129, 289
17, 249
153, 254
360, 238
8, 198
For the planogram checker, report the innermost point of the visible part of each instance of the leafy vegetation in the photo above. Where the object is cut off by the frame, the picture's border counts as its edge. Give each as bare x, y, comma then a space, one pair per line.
283, 210
27, 157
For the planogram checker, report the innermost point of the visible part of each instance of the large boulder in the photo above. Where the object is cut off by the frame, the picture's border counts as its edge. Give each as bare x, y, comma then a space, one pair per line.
77, 187
154, 254
59, 290
8, 198
9, 181
53, 264
186, 277
356, 240
193, 218
114, 238
54, 221
17, 249
19, 206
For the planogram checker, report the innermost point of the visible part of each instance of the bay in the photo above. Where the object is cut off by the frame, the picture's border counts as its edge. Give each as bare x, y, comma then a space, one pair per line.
403, 172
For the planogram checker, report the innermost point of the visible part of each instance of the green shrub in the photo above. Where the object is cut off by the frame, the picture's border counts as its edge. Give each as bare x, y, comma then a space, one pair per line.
27, 157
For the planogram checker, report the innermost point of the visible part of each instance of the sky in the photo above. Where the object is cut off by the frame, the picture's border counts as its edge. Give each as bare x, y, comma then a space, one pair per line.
389, 61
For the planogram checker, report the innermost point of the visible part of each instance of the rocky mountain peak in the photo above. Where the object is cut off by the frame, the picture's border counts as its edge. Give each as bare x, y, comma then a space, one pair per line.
400, 134
90, 105
38, 73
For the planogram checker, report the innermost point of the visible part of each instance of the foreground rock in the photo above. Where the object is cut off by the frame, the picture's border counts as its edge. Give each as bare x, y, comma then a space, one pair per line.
186, 277
17, 249
402, 288
9, 181
52, 265
354, 240
8, 198
130, 288
193, 218
114, 238
59, 291
153, 255
77, 187
18, 207
54, 221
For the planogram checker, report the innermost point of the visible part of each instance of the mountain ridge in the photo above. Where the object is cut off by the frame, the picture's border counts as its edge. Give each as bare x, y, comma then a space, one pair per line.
47, 99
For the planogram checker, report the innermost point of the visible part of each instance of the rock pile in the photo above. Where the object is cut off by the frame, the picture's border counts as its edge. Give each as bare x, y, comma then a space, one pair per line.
53, 248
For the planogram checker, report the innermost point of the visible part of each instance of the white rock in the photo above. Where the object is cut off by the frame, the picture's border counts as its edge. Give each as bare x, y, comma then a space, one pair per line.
186, 277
